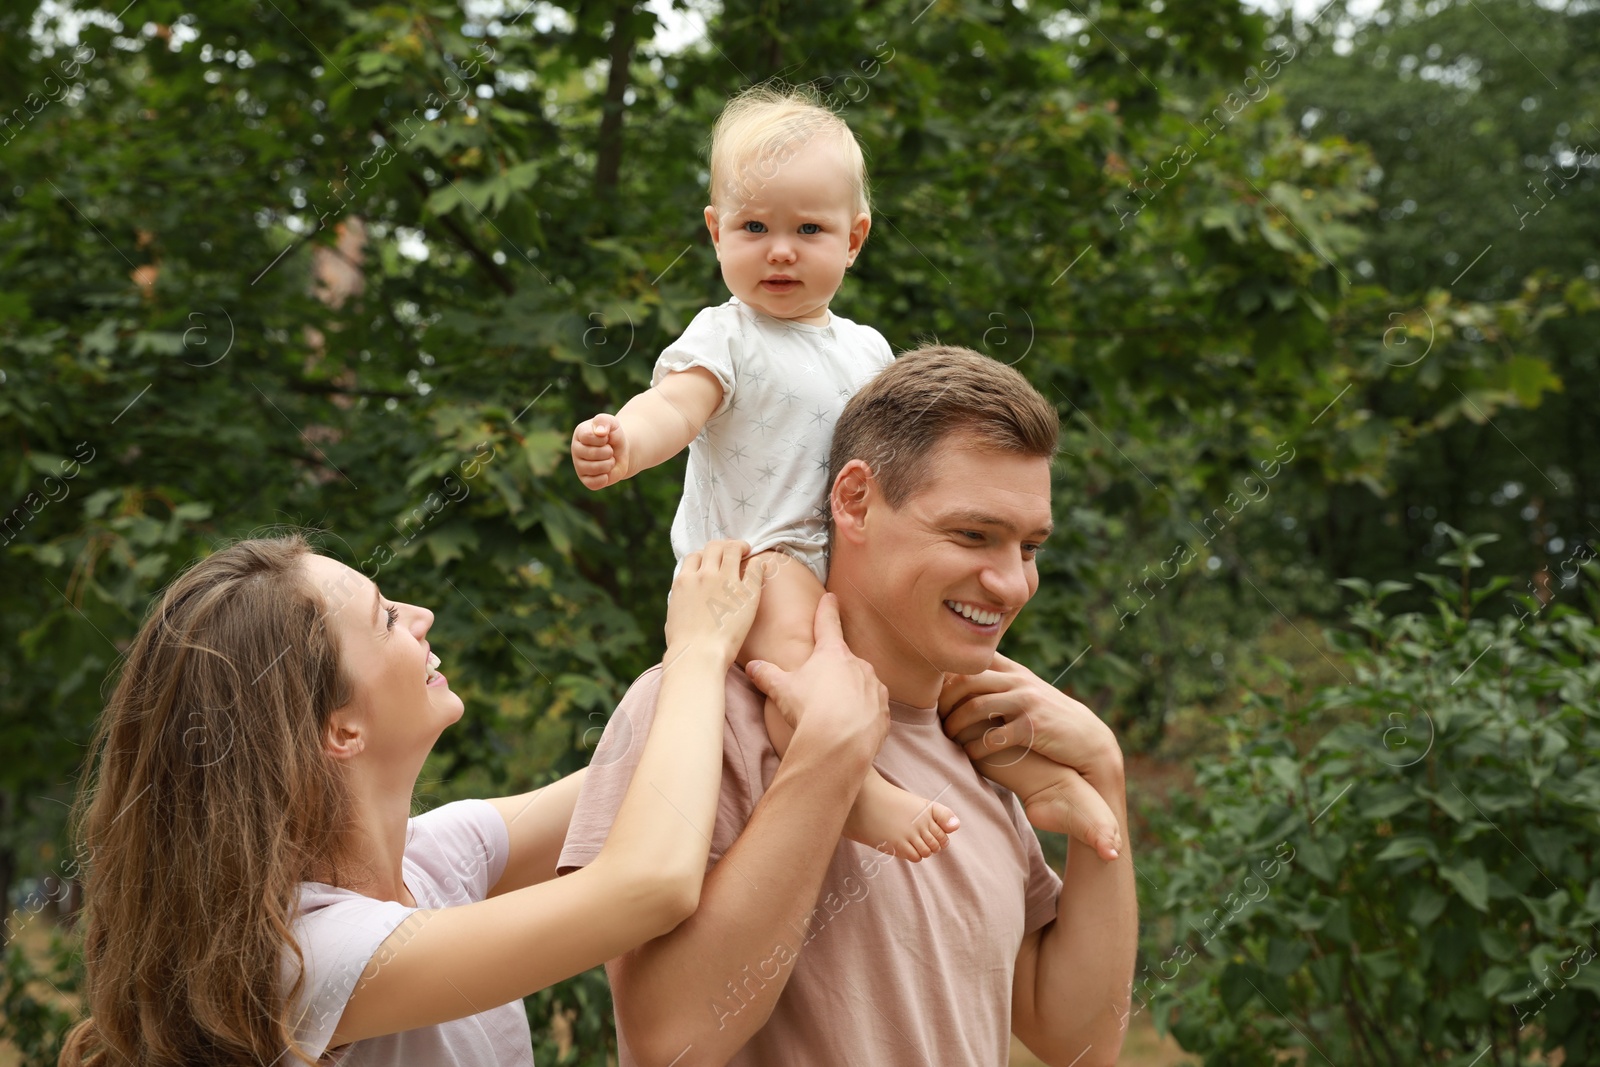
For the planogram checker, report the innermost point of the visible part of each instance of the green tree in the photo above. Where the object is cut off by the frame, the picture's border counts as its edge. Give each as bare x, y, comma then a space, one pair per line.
363, 267
1418, 884
1482, 122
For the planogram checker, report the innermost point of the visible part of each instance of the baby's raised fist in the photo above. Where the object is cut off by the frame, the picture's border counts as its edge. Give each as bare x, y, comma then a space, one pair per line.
599, 452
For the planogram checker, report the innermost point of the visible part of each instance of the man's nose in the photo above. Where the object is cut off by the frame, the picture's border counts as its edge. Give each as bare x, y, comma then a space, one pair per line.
1007, 581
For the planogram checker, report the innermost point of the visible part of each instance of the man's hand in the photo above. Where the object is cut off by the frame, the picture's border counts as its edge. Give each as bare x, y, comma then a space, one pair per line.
600, 452
1008, 706
833, 694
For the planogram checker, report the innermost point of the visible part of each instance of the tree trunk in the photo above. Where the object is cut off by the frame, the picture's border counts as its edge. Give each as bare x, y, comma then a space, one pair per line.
8, 870
609, 156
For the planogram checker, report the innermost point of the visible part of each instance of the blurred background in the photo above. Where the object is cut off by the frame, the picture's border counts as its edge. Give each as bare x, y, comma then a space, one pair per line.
1314, 287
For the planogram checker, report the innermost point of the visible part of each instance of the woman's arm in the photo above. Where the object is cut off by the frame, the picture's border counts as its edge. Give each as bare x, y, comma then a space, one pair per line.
451, 962
537, 825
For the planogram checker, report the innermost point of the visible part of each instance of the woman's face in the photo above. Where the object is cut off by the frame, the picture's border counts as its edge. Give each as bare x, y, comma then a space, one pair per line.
398, 707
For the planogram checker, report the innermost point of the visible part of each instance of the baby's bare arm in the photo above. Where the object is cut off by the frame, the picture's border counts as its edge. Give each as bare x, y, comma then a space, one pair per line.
663, 420
649, 430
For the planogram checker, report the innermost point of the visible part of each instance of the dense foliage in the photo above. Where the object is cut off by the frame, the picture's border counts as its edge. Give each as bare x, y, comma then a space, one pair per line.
1420, 884
362, 267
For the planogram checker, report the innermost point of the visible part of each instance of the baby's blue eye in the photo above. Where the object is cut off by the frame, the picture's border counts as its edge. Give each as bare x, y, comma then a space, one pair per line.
810, 227
755, 227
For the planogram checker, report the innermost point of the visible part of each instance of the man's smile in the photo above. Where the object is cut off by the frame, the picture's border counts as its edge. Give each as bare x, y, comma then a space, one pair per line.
980, 617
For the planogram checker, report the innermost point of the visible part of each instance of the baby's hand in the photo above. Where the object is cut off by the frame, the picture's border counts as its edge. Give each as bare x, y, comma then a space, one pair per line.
600, 452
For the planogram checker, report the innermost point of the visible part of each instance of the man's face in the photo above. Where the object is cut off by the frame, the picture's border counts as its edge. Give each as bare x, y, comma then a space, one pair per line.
953, 565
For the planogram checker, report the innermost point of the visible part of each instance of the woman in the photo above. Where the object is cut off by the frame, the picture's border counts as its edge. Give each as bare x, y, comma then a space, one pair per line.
257, 892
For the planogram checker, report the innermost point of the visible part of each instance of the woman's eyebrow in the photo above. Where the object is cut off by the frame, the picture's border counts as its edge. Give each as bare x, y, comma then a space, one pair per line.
376, 599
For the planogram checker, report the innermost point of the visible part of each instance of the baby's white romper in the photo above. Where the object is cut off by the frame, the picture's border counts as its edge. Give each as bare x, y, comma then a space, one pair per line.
758, 472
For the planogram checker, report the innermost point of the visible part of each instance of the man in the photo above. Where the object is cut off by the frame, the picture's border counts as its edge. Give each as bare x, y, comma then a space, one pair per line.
815, 950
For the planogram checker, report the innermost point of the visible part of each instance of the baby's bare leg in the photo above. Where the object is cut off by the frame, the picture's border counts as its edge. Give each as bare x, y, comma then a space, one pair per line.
884, 816
1056, 798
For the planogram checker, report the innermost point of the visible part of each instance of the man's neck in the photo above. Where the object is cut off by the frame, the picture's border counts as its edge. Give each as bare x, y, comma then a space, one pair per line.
910, 676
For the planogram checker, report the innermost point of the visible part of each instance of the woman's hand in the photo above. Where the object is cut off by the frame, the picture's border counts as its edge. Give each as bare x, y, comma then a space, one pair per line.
712, 604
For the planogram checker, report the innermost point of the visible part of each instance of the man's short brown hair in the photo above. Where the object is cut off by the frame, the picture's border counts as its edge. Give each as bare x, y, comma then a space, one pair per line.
896, 423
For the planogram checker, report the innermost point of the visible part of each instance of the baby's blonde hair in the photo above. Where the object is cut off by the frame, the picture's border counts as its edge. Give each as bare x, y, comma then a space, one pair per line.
762, 127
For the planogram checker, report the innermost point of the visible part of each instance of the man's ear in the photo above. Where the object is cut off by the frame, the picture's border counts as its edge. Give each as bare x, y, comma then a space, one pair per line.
853, 491
345, 736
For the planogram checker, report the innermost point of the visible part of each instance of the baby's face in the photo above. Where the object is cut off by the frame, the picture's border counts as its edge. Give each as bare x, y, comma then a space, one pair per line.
785, 236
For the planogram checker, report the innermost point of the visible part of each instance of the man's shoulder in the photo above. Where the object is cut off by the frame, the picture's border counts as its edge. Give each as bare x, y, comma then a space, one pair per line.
742, 697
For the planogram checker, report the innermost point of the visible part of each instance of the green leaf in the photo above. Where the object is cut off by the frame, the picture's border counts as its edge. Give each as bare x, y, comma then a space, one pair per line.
451, 542
544, 451
1360, 586
1587, 978
1382, 965
1426, 905
1316, 856
1444, 586
1470, 880
1528, 377
1235, 986
95, 504
192, 511
1386, 802
1497, 944
1494, 980
1328, 973
1408, 846
1285, 957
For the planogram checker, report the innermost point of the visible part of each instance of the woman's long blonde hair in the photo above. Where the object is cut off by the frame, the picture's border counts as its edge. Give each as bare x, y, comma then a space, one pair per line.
210, 798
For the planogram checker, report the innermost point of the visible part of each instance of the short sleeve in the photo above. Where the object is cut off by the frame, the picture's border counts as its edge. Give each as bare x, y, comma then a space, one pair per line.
461, 849
711, 342
1044, 885
610, 771
884, 353
338, 941
453, 855
617, 757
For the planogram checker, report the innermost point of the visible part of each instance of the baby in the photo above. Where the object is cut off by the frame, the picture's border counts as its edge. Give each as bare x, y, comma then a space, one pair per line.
754, 387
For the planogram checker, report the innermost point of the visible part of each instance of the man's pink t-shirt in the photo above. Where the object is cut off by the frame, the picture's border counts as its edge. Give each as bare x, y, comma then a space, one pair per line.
899, 963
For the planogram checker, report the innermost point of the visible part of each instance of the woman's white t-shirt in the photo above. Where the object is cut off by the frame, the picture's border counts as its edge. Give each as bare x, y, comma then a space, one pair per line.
453, 855
758, 472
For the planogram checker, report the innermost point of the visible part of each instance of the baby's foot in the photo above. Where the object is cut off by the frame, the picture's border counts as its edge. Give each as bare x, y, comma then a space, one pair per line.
890, 819
1051, 810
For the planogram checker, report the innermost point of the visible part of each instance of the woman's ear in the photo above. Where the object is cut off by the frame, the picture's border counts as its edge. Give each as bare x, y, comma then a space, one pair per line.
852, 495
344, 737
